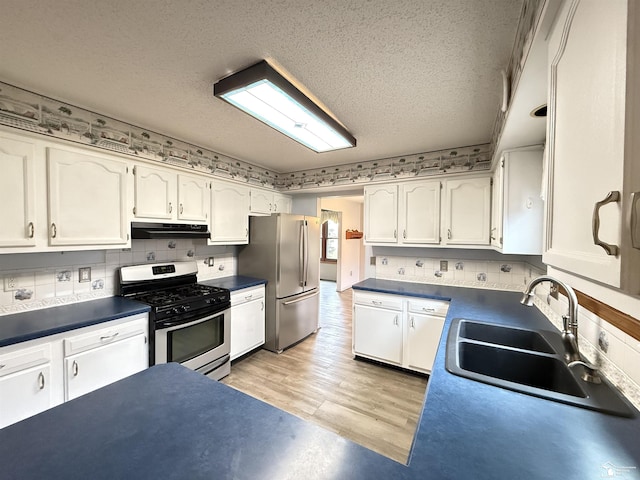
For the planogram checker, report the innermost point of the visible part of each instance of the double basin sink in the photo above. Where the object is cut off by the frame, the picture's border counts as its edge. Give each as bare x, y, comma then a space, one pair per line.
526, 361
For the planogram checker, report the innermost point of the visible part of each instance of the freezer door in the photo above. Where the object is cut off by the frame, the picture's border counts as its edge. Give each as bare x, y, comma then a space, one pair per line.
297, 318
312, 253
290, 266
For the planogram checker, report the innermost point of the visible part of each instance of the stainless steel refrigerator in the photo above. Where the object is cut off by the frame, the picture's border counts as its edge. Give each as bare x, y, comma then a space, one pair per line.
284, 249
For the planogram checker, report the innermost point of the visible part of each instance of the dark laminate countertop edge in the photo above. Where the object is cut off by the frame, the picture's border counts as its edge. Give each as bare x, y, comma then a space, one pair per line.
34, 324
235, 282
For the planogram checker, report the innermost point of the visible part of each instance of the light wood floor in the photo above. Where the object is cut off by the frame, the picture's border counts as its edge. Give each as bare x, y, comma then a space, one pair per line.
319, 381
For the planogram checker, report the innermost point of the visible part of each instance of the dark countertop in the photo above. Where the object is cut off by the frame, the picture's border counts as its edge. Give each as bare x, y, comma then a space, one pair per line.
33, 324
237, 282
168, 422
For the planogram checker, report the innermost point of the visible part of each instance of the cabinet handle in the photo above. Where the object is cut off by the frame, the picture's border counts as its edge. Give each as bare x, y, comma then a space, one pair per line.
612, 197
413, 323
2, 365
428, 309
395, 320
376, 302
181, 209
74, 368
54, 230
109, 337
404, 233
246, 233
395, 234
170, 207
491, 235
633, 220
262, 306
449, 233
248, 297
31, 229
41, 381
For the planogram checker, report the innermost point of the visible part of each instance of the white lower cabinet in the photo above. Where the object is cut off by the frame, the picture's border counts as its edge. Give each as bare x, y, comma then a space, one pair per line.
247, 320
25, 383
39, 374
403, 331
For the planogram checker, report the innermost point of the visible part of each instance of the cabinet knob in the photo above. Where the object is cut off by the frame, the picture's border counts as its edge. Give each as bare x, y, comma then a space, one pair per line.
612, 197
41, 381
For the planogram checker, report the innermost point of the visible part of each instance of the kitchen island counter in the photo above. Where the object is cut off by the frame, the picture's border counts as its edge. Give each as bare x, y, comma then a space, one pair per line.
169, 422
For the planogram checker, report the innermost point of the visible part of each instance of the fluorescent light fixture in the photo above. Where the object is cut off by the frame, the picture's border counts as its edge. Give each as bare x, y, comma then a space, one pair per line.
265, 94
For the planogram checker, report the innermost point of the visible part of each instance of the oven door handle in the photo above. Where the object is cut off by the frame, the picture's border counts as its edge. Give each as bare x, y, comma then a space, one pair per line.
188, 321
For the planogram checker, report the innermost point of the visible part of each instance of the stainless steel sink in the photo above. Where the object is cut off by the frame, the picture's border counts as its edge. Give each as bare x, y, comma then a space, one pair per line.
526, 361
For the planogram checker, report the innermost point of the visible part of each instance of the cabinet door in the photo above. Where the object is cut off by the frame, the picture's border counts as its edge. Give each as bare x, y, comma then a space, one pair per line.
420, 213
229, 222
377, 333
381, 214
281, 203
586, 136
87, 199
95, 368
155, 193
17, 193
261, 202
423, 337
193, 198
247, 327
468, 211
497, 199
25, 393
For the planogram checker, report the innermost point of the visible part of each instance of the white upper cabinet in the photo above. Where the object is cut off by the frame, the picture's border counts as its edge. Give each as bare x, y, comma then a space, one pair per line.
229, 213
17, 192
467, 211
420, 213
193, 198
87, 198
518, 210
266, 202
281, 203
155, 193
381, 214
593, 195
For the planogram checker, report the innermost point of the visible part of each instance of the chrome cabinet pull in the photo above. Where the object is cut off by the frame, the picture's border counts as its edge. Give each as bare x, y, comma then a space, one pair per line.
413, 323
41, 381
246, 233
633, 220
248, 297
376, 302
429, 309
404, 233
109, 337
74, 368
449, 233
181, 209
54, 230
395, 320
262, 306
170, 207
491, 235
31, 229
395, 234
2, 365
612, 197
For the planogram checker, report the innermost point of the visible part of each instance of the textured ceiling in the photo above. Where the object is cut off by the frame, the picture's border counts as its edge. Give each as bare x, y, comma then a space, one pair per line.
404, 76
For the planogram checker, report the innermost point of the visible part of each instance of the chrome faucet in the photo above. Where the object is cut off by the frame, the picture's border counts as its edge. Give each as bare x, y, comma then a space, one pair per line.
569, 321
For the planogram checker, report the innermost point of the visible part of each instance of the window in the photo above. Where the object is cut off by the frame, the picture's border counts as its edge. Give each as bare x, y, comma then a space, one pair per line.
329, 233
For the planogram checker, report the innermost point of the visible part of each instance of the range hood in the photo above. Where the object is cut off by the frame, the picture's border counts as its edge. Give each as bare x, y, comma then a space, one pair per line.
168, 230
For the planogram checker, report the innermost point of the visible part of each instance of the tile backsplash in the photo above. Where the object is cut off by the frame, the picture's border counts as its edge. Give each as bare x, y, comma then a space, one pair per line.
492, 274
48, 279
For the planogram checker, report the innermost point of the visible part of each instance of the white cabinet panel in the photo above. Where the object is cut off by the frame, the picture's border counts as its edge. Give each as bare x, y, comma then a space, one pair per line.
420, 213
593, 142
229, 222
377, 333
95, 368
17, 192
155, 192
423, 337
261, 202
381, 214
467, 211
87, 199
193, 198
281, 203
25, 393
247, 320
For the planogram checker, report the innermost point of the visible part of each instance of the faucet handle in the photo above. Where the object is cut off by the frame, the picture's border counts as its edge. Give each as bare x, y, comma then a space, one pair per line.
590, 374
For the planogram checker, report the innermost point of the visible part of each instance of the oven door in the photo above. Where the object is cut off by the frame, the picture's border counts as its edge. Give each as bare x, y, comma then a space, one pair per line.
199, 344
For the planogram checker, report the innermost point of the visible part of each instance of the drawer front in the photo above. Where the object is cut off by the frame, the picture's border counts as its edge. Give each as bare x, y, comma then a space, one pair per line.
391, 302
246, 295
428, 307
105, 335
26, 358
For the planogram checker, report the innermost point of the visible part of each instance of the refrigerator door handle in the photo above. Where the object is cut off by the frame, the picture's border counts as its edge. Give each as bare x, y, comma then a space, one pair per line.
306, 297
301, 255
306, 253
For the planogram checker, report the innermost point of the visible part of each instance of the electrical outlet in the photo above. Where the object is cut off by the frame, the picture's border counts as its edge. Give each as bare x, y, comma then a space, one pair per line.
84, 274
210, 261
444, 265
553, 290
10, 283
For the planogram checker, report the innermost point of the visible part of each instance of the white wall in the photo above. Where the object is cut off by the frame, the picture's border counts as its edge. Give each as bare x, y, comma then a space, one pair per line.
350, 251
